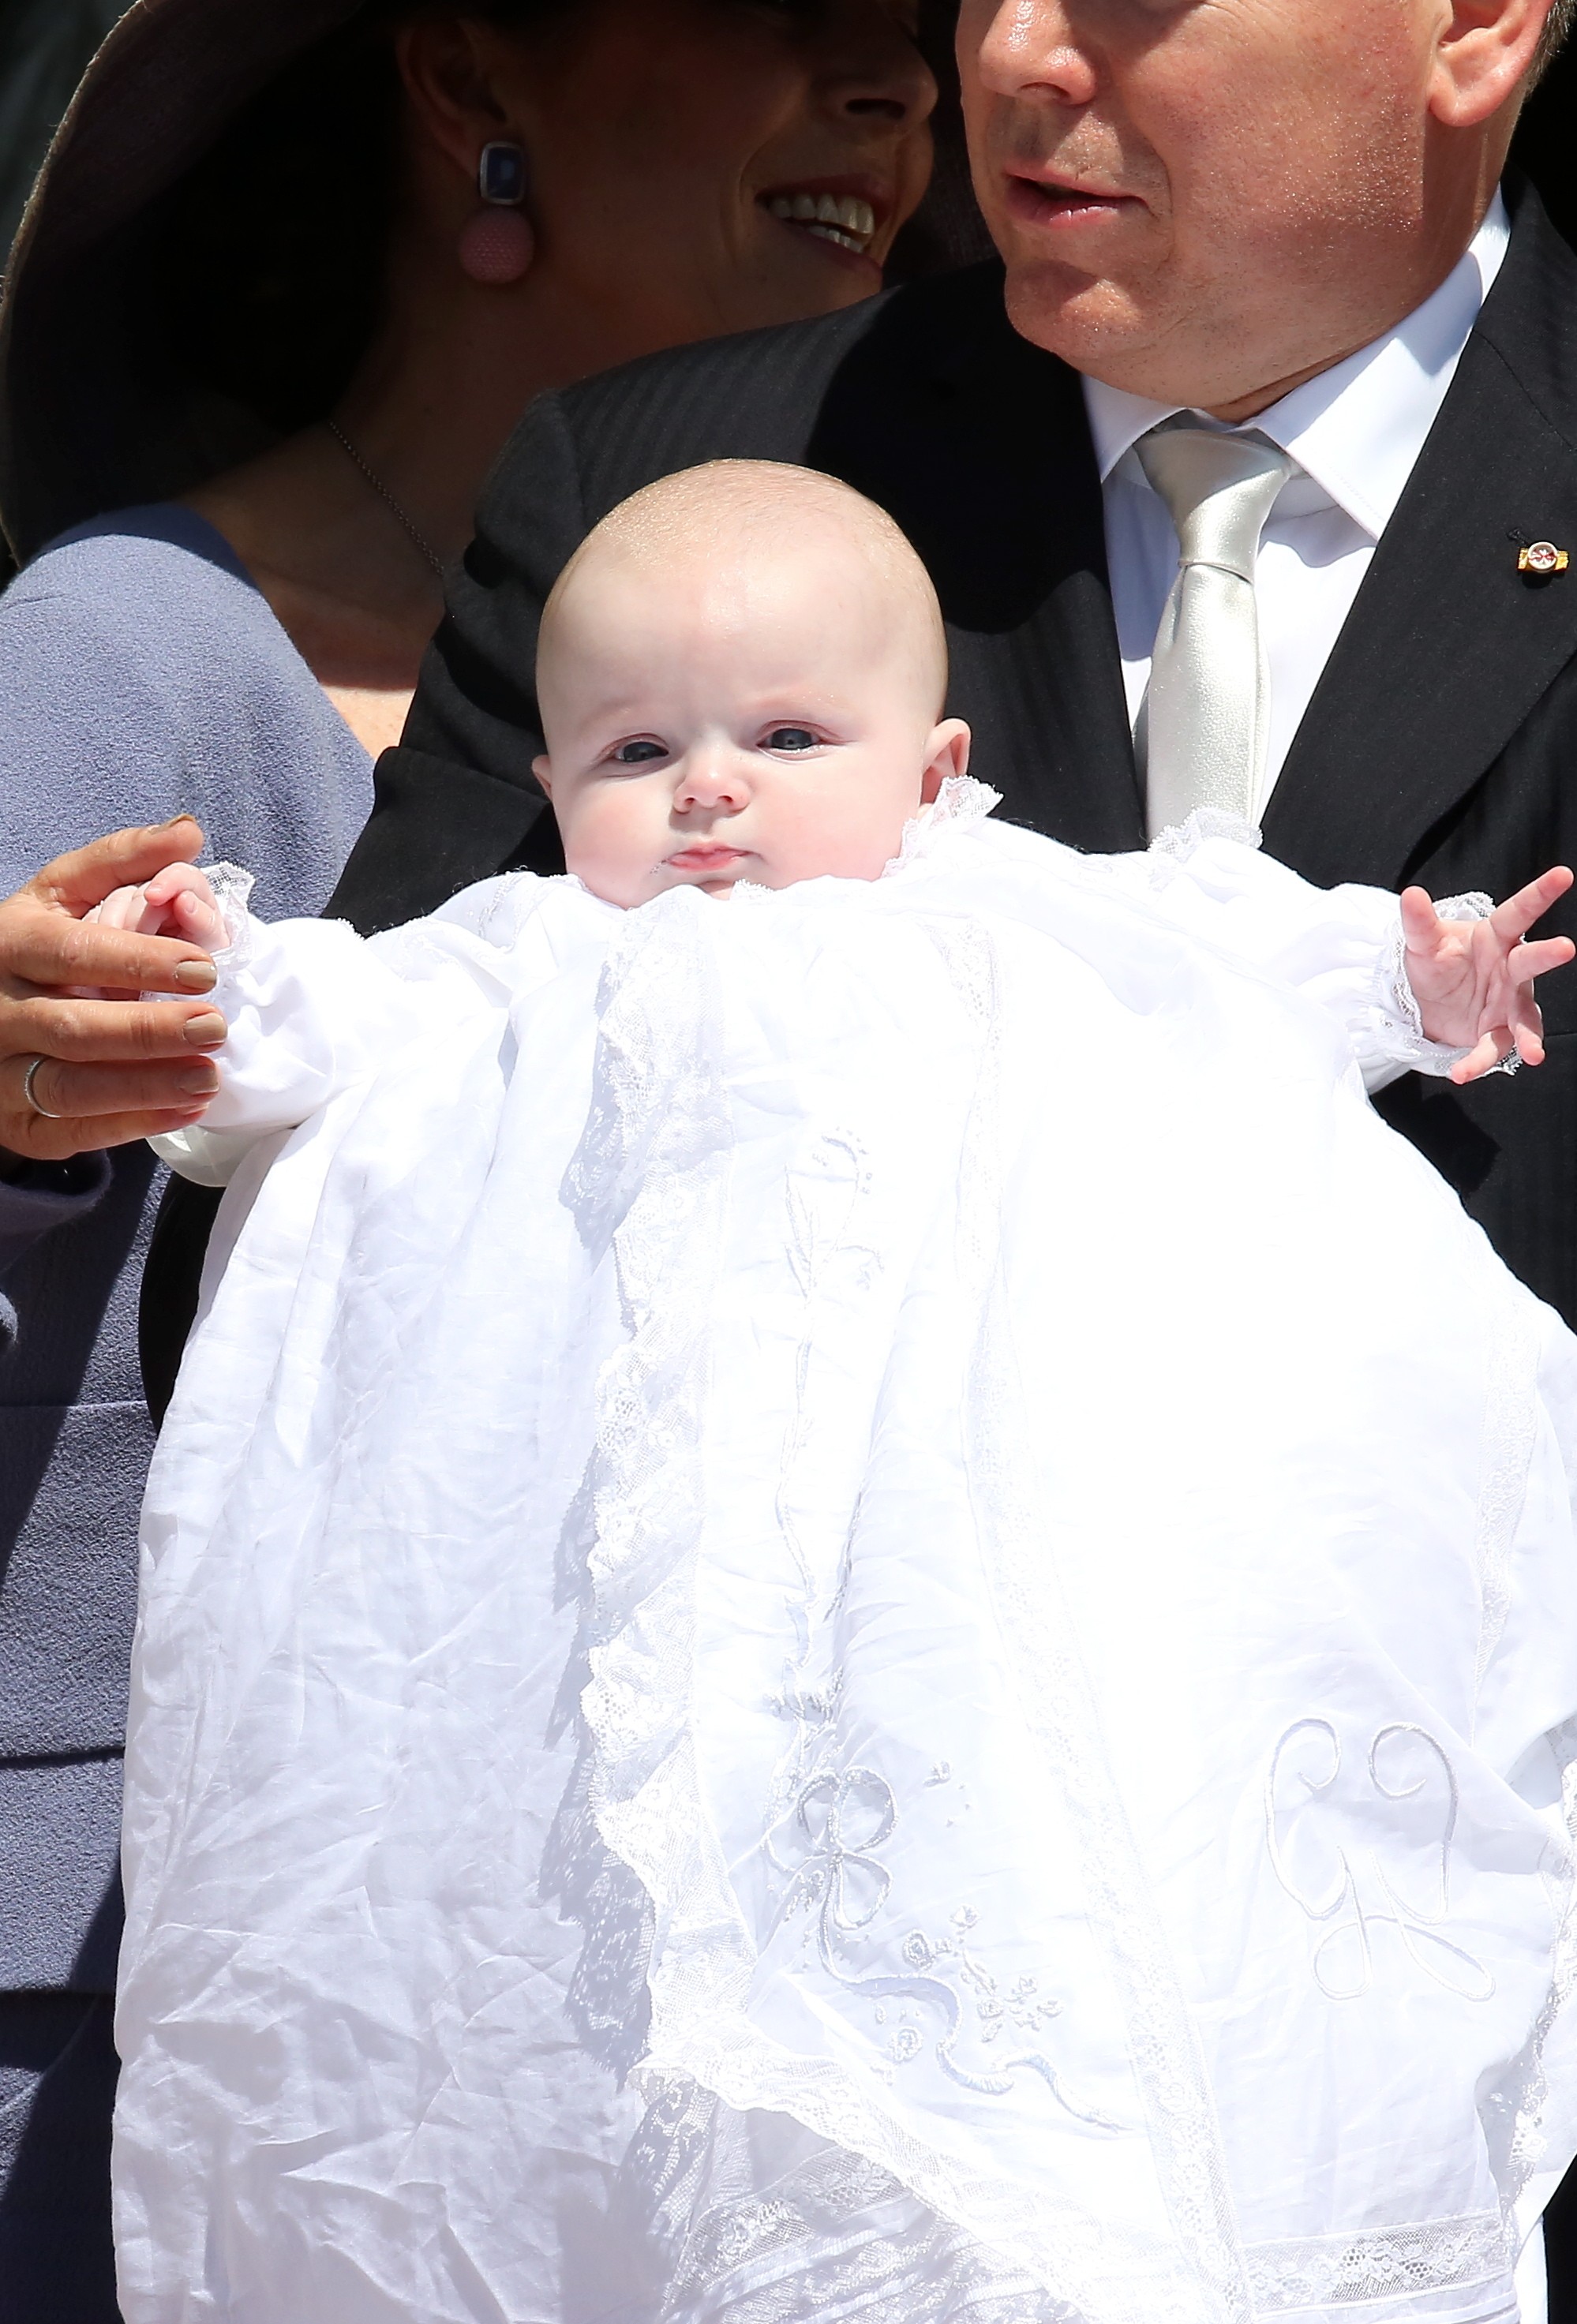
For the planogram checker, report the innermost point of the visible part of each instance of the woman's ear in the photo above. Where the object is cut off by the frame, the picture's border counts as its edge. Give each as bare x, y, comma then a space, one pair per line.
444, 66
543, 768
947, 753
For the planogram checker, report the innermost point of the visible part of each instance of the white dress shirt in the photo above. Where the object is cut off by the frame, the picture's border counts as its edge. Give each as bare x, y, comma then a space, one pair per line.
1355, 432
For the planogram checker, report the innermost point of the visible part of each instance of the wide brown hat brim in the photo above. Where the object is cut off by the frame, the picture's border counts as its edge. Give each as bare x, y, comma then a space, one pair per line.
162, 88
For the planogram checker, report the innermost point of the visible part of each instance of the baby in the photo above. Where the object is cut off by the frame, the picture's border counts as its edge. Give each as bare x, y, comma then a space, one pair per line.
742, 674
861, 1606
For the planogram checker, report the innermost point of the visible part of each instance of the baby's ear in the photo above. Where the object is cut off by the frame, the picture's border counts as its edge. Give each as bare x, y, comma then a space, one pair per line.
947, 753
543, 768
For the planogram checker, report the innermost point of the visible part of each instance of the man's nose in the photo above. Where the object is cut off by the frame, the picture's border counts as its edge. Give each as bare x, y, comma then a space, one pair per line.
1028, 48
873, 70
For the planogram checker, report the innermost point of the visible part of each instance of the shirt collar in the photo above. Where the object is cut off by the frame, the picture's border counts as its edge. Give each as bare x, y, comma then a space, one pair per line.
1358, 428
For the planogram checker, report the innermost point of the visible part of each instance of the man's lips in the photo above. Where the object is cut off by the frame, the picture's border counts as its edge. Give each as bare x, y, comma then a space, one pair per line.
1060, 203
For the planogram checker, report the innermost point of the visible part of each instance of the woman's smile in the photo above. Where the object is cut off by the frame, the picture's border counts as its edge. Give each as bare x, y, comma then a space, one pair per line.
845, 212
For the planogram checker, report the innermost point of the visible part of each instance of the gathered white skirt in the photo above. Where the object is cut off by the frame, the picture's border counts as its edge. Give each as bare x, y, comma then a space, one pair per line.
862, 1608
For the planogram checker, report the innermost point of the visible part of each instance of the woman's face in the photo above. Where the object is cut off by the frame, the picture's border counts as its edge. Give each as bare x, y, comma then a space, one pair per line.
704, 166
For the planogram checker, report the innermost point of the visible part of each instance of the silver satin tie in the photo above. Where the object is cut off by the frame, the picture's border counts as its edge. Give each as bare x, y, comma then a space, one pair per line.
1205, 723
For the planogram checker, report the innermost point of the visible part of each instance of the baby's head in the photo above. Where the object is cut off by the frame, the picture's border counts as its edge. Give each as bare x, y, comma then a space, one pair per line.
741, 673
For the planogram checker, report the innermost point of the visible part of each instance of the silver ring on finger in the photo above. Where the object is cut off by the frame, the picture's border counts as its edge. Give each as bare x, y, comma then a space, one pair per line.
29, 1095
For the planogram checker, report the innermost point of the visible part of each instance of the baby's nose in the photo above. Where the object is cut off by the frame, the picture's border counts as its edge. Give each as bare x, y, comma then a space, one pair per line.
712, 778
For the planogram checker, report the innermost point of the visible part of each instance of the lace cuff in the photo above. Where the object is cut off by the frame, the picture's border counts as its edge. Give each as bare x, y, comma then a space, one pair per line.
1393, 1014
231, 890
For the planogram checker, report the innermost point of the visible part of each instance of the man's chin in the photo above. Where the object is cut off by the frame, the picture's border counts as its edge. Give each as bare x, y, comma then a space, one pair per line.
1093, 324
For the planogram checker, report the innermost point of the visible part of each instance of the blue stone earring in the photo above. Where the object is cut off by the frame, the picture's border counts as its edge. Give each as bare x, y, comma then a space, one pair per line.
496, 242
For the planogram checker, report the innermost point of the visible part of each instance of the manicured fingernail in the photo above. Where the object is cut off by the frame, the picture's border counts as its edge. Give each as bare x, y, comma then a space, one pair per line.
202, 1081
205, 1032
185, 815
196, 975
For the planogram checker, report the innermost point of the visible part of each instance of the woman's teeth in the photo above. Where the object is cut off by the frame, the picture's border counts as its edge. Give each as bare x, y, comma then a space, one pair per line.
835, 217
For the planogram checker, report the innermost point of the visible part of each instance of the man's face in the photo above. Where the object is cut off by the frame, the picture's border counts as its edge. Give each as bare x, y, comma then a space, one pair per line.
1201, 200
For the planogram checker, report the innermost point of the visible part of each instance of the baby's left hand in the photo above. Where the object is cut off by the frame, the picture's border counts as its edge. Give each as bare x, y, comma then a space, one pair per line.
1473, 979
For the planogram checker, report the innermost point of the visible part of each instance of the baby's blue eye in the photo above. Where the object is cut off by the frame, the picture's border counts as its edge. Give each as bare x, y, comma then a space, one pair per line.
791, 738
636, 754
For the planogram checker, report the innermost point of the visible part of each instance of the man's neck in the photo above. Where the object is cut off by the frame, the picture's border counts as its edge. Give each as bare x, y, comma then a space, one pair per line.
1450, 244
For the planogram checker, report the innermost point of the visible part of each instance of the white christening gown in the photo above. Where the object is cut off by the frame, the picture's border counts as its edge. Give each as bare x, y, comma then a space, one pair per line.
857, 1607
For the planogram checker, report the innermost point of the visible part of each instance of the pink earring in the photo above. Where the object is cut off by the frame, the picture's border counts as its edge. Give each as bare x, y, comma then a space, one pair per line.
496, 242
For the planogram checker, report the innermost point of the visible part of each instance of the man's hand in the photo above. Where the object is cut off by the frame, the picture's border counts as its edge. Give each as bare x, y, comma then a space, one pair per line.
112, 1071
1473, 979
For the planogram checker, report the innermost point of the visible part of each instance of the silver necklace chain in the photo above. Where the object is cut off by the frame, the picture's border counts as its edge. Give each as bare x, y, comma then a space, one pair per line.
386, 496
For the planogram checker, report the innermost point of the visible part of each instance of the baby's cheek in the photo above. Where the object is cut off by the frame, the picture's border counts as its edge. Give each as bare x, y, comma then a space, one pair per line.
852, 833
609, 844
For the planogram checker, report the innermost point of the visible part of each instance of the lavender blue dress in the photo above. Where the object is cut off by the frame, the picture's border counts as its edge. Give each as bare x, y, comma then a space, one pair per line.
140, 673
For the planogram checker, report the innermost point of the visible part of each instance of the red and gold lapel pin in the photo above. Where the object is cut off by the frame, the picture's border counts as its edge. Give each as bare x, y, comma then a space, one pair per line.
1541, 559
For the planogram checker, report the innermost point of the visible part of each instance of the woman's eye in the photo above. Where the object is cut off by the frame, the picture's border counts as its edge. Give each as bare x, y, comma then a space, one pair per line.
637, 754
791, 738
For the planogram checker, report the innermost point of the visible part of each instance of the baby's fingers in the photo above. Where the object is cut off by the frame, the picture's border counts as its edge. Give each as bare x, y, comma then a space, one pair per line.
1420, 925
123, 909
199, 918
1517, 913
1525, 1035
1533, 960
1484, 1055
185, 897
1527, 1025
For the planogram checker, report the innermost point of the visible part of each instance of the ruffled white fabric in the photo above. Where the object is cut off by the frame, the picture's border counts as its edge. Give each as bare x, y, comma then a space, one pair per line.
1344, 946
855, 1608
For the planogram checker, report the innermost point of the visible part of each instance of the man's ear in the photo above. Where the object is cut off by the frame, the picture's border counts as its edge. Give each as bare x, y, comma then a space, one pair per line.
543, 768
1484, 55
947, 753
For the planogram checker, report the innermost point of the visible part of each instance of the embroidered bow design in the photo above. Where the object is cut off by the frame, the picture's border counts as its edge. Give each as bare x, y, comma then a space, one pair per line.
1370, 1848
845, 1818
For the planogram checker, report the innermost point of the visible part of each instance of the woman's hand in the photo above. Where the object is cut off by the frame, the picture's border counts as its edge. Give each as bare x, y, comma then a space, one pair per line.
1473, 979
110, 1070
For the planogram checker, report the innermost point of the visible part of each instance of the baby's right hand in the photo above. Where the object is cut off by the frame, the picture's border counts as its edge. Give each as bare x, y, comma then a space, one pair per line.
175, 902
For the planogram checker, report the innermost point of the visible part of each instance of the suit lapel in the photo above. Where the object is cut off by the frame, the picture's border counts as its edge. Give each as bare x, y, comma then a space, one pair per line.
1448, 648
981, 451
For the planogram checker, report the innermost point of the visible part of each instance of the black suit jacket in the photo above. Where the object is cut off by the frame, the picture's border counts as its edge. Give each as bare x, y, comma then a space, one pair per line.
1441, 744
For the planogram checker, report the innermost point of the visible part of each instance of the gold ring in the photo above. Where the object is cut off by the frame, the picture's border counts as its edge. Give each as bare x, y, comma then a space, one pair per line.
27, 1091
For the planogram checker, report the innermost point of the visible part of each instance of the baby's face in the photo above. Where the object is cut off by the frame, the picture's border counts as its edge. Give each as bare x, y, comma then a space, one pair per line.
761, 719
